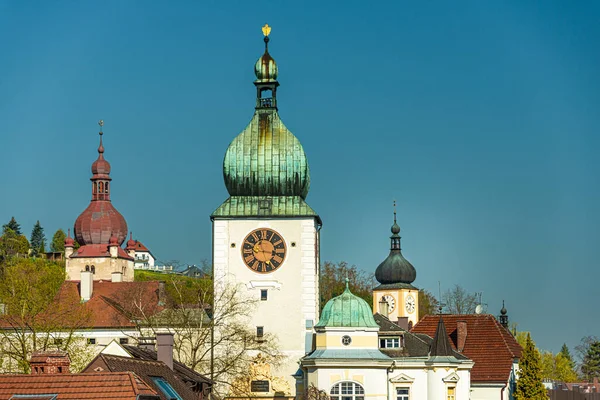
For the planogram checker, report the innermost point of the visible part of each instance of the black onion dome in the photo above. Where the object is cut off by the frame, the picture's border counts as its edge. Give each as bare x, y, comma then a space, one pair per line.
395, 268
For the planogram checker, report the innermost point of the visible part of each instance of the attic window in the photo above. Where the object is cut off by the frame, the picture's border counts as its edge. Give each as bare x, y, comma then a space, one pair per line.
123, 340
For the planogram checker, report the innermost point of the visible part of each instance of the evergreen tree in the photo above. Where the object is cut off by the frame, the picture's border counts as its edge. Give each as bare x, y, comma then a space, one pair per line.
37, 239
43, 247
591, 362
13, 225
58, 241
564, 350
529, 383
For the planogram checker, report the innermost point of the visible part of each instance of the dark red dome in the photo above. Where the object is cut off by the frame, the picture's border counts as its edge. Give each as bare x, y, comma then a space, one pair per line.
98, 222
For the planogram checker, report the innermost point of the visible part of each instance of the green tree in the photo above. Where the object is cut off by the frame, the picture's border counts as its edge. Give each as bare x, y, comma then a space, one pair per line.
428, 304
13, 226
13, 244
459, 301
557, 367
37, 239
564, 350
58, 241
590, 368
333, 282
36, 313
529, 383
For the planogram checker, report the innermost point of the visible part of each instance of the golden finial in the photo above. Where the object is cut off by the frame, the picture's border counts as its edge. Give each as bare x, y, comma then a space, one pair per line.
266, 30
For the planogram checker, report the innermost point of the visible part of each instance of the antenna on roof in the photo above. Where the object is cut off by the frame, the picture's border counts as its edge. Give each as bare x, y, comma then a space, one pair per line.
440, 304
481, 306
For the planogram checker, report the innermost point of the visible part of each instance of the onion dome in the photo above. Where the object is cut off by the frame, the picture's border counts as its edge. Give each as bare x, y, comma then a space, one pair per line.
113, 241
347, 310
131, 242
266, 159
69, 242
395, 269
100, 220
265, 68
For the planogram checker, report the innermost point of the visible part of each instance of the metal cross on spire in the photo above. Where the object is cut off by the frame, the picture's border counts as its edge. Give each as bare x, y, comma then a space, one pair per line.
394, 210
101, 124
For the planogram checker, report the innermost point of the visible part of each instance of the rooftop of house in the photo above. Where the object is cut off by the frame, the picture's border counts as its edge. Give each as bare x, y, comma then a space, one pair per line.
415, 344
155, 374
114, 385
112, 305
491, 346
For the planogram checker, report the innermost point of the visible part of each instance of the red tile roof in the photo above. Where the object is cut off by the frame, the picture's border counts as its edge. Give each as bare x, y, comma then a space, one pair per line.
140, 247
99, 250
488, 344
113, 305
113, 385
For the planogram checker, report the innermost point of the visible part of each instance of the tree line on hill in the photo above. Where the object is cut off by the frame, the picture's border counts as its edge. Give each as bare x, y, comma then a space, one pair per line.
13, 243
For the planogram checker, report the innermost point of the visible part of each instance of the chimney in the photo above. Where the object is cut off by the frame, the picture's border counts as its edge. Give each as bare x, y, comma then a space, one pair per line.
116, 277
383, 308
86, 286
49, 362
403, 323
164, 348
461, 335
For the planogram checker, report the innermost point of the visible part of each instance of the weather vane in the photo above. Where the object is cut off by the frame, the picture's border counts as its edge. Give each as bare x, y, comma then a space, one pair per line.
266, 30
101, 123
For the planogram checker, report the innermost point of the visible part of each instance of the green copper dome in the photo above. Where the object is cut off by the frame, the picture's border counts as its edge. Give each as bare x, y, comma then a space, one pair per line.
266, 159
348, 311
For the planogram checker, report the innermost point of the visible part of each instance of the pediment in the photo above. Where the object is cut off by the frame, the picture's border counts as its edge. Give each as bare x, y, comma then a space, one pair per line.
453, 377
402, 378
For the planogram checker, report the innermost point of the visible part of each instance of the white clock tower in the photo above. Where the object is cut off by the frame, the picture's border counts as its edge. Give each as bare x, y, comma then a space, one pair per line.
265, 235
396, 293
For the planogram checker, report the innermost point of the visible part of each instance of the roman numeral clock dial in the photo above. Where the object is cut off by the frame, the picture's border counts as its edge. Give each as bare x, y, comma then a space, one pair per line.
263, 250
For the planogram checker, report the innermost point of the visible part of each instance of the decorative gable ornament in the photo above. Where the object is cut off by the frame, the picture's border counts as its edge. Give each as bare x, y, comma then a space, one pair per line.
402, 378
452, 378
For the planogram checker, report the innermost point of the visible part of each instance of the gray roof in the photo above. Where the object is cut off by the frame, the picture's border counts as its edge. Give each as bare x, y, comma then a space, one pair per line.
347, 354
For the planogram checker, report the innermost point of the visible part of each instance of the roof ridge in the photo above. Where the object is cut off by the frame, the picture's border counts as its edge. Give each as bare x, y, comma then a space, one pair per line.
135, 360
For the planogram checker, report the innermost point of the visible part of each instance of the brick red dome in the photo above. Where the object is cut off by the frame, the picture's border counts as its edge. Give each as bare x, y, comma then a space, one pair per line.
98, 222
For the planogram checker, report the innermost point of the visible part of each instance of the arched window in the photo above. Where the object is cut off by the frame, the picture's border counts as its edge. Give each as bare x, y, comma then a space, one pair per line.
106, 187
347, 391
87, 268
94, 187
101, 187
93, 269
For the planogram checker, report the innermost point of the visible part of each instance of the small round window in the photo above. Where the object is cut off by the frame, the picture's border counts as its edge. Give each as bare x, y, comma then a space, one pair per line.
346, 340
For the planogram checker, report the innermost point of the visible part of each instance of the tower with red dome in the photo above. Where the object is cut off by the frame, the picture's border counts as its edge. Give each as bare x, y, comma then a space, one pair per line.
100, 231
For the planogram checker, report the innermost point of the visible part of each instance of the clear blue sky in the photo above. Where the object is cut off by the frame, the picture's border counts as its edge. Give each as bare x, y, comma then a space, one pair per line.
481, 118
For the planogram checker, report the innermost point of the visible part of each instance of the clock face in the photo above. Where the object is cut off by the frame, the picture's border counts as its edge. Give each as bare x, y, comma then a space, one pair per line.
410, 304
388, 298
263, 250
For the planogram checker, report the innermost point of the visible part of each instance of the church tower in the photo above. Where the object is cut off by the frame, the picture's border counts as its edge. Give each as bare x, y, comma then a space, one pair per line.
265, 235
100, 230
396, 297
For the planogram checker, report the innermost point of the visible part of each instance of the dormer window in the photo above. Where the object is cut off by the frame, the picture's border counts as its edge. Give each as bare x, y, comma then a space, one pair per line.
390, 342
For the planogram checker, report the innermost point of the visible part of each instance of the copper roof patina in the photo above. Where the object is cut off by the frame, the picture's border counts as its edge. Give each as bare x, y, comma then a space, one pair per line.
265, 168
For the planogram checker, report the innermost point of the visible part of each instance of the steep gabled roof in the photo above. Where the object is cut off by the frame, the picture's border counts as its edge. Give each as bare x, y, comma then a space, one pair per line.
440, 347
488, 344
186, 373
115, 385
146, 370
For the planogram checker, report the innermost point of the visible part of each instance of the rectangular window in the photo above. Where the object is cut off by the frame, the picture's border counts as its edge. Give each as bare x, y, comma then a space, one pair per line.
263, 294
58, 341
91, 341
260, 332
451, 393
402, 393
123, 340
389, 343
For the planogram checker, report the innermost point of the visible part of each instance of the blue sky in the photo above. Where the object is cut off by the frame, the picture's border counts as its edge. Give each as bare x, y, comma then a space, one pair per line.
480, 118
